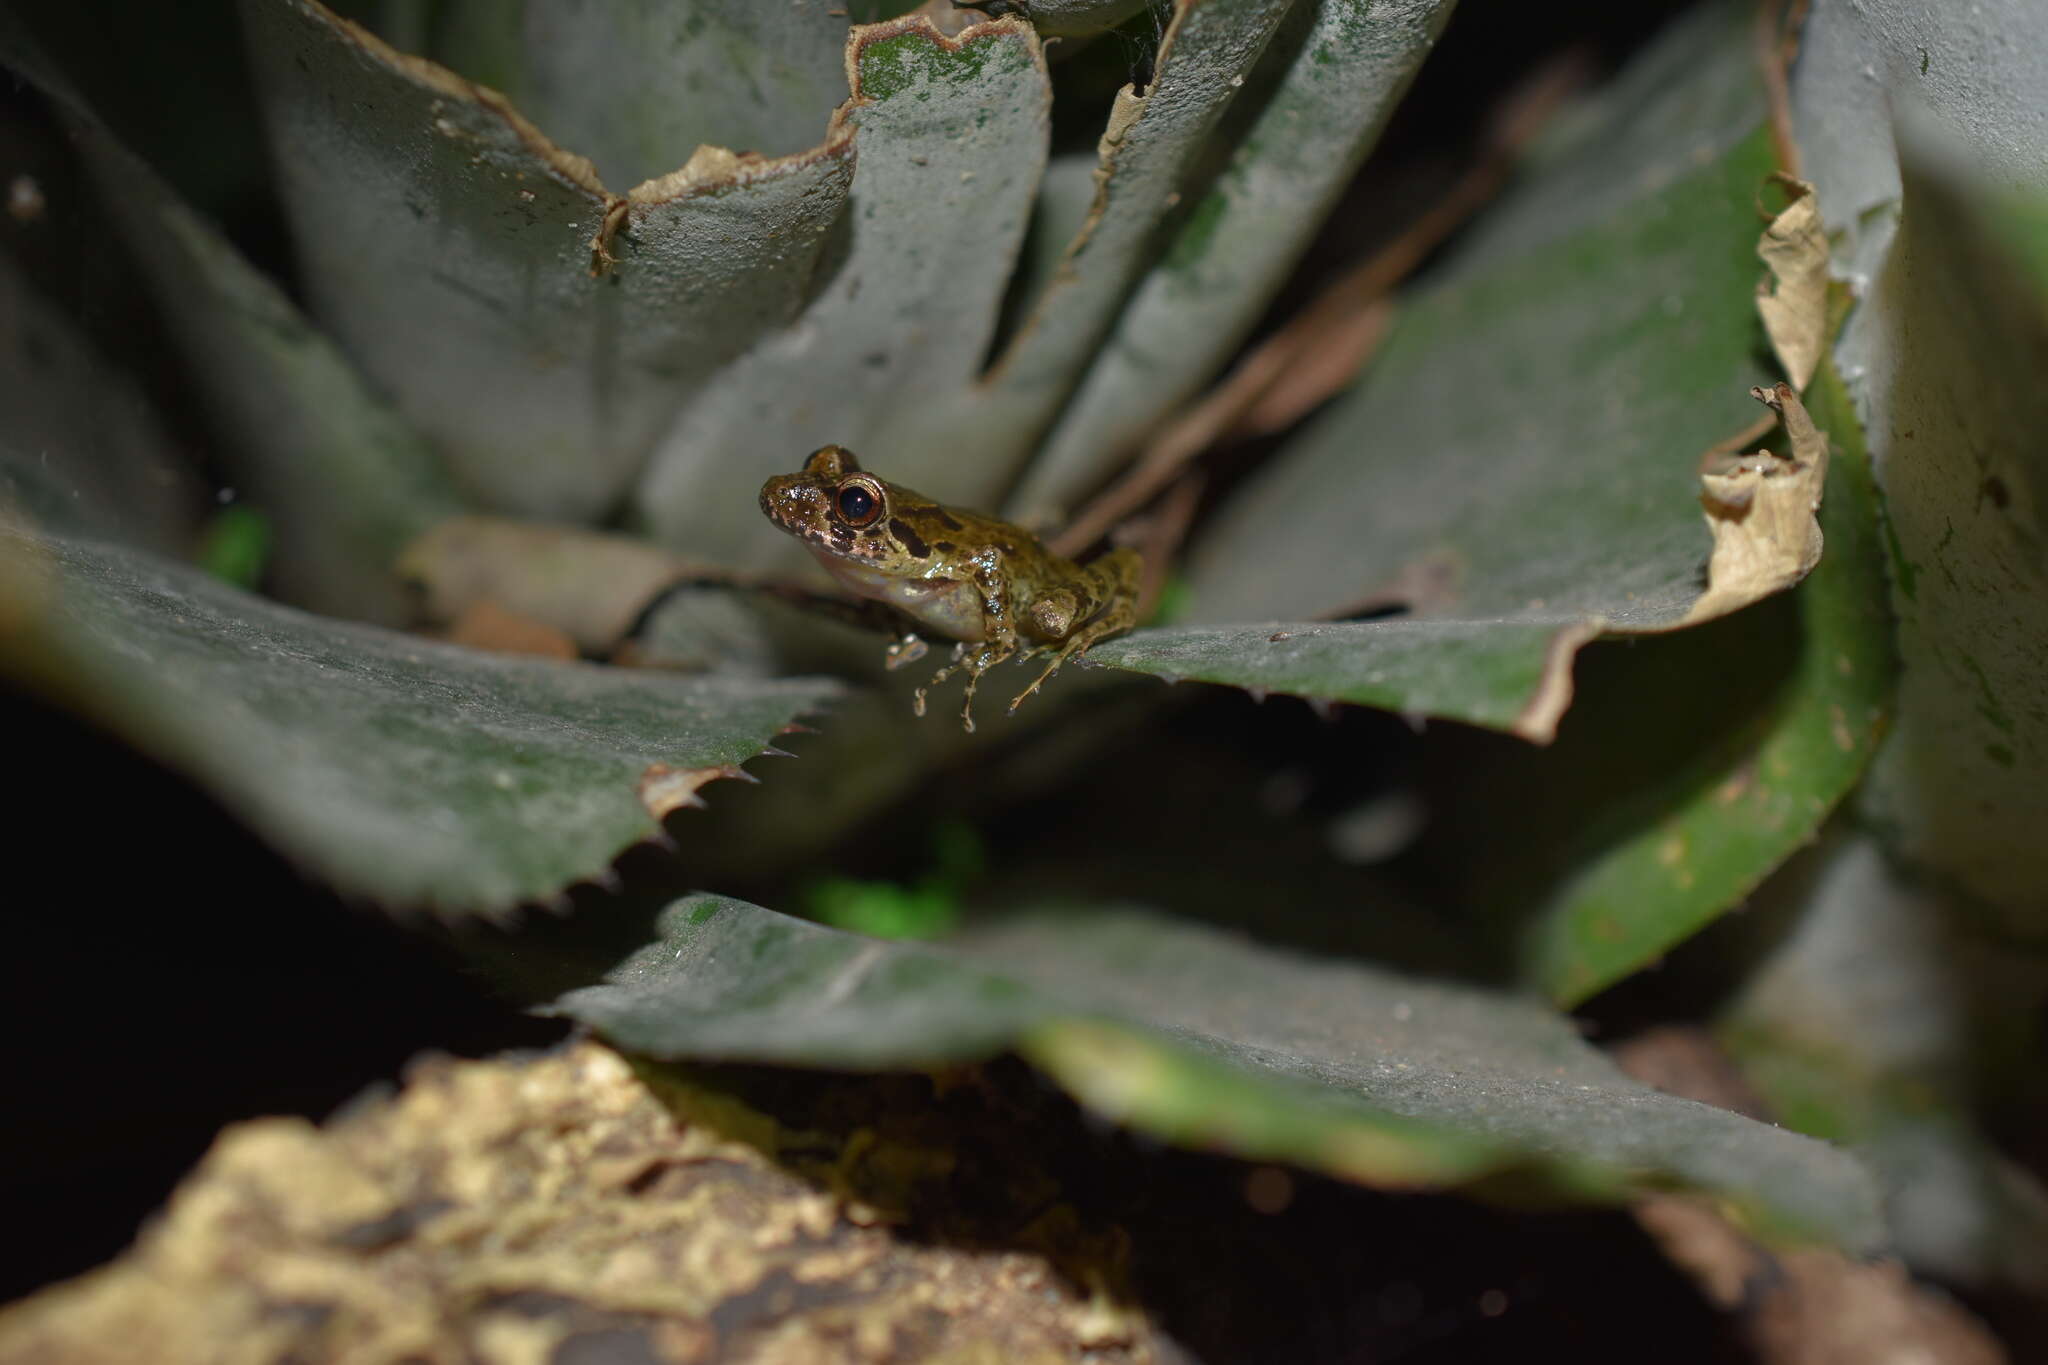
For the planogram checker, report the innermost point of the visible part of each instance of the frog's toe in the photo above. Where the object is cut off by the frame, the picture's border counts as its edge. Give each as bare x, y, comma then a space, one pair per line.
967, 707
907, 650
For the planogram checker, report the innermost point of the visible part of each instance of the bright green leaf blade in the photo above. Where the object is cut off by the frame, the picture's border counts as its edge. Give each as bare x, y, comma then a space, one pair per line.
1344, 66
636, 85
1659, 863
397, 769
449, 244
952, 142
1205, 1038
1879, 1019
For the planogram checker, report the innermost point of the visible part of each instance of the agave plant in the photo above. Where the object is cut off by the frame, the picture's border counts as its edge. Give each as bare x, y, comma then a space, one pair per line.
570, 282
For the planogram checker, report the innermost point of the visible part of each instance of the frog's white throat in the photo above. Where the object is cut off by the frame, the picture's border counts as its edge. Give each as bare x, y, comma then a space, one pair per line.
949, 606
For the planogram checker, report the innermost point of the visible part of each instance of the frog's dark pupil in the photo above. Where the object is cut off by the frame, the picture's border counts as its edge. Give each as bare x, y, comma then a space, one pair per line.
856, 504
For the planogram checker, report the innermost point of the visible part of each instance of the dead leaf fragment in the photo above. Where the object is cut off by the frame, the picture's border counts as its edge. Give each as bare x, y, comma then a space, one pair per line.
585, 585
1546, 706
1686, 1061
664, 790
486, 625
1793, 301
1813, 1307
1804, 1306
1760, 509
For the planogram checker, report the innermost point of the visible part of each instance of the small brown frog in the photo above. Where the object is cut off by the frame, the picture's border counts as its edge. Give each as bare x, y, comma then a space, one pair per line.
985, 583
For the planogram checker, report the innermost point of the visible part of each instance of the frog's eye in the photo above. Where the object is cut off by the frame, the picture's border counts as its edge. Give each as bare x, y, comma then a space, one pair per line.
858, 502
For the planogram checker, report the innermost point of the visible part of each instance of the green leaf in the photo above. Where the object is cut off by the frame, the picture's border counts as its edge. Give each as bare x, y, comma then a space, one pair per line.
347, 481
1880, 1020
636, 85
1204, 1038
1520, 463
1147, 161
235, 547
1683, 843
396, 769
81, 450
1494, 673
1076, 17
1946, 353
890, 358
449, 245
952, 142
1337, 70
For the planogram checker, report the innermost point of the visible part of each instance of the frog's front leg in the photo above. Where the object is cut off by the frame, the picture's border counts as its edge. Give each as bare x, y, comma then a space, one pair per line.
998, 642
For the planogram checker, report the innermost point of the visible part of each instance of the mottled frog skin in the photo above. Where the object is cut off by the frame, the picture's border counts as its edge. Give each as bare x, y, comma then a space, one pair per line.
985, 583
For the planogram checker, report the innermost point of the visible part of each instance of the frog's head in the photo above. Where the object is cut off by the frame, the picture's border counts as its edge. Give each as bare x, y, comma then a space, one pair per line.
833, 506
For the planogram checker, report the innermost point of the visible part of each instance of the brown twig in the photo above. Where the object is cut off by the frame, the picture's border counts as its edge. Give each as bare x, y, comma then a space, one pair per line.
1325, 346
1778, 24
1162, 537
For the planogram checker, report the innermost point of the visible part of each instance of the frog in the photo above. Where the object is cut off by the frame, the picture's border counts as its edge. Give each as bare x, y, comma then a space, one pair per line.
991, 587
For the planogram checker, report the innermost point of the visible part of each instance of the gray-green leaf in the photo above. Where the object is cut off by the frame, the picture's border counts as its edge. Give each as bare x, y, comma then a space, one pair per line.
1336, 70
397, 769
1205, 1038
449, 244
1520, 464
1927, 141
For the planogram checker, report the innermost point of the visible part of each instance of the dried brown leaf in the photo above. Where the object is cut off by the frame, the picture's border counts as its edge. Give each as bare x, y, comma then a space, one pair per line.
1811, 1307
585, 585
1761, 509
1793, 302
486, 625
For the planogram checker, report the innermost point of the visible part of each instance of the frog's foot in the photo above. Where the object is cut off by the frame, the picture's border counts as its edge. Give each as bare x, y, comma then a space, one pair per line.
1077, 644
975, 664
907, 650
1045, 677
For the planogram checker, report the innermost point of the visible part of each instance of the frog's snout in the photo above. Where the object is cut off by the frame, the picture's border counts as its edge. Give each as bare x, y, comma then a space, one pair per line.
787, 500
